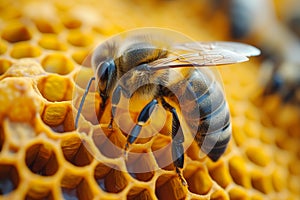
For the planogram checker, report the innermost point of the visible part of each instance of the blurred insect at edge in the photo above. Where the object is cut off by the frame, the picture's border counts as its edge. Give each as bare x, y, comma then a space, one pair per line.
277, 36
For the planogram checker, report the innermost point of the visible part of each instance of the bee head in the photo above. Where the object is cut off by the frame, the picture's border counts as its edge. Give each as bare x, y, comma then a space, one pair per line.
106, 75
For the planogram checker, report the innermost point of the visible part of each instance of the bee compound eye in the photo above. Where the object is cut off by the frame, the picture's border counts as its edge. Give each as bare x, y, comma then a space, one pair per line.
105, 71
102, 70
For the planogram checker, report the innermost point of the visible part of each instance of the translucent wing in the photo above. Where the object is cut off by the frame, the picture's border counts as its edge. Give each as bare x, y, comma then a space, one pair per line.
239, 48
205, 54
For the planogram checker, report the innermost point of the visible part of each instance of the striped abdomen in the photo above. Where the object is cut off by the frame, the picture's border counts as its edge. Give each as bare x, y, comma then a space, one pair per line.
205, 110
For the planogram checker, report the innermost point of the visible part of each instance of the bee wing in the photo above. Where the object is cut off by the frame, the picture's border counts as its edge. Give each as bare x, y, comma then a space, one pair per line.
239, 48
205, 54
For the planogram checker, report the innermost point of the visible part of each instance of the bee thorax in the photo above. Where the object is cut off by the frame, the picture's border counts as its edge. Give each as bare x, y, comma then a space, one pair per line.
144, 83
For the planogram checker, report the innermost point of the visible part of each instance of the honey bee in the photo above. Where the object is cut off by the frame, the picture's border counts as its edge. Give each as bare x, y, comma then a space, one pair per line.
167, 69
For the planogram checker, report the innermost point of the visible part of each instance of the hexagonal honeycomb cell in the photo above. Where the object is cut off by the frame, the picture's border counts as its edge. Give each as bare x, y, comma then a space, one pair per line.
44, 68
9, 178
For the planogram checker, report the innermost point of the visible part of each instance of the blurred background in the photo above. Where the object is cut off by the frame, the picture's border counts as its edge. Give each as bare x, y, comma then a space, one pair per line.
263, 158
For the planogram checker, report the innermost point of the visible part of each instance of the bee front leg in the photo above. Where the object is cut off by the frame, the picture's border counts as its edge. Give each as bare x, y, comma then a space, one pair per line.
177, 141
142, 119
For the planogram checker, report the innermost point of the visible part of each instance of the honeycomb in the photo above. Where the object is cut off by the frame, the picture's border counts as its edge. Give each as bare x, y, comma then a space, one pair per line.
42, 47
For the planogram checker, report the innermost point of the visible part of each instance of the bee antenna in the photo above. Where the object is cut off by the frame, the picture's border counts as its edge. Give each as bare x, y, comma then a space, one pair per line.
82, 100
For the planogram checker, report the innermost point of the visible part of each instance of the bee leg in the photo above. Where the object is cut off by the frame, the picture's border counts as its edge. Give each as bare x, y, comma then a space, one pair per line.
142, 119
177, 140
82, 101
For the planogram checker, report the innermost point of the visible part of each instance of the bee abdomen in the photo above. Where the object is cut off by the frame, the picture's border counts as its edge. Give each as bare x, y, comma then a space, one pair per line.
214, 144
215, 120
210, 101
205, 110
204, 92
209, 116
214, 132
